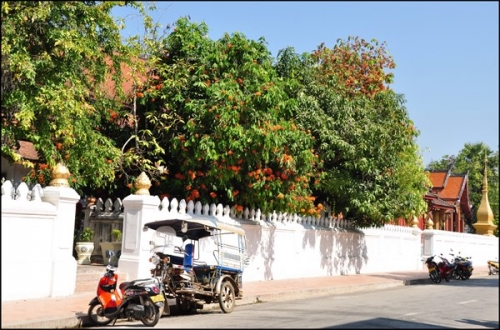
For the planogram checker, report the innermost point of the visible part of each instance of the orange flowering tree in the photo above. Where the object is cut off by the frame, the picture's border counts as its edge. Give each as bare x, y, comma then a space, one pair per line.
363, 134
223, 117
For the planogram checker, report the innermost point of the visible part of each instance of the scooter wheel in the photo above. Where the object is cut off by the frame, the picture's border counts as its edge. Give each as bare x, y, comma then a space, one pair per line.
152, 313
96, 314
435, 276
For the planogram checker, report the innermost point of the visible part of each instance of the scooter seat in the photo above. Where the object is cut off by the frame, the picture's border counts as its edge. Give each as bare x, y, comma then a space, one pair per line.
142, 282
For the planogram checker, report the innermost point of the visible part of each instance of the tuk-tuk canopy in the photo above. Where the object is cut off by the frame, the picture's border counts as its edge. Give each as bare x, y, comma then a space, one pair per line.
195, 226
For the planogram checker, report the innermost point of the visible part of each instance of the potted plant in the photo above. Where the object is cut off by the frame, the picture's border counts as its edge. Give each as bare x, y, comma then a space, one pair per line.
84, 245
115, 245
116, 235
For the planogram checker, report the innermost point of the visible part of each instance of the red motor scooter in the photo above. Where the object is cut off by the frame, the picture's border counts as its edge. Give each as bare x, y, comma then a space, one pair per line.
139, 299
439, 267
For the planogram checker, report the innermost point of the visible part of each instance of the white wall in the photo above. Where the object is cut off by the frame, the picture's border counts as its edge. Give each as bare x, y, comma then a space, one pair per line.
481, 248
37, 242
283, 246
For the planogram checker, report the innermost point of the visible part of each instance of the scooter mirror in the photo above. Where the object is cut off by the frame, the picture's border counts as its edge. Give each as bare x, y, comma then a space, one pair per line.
109, 253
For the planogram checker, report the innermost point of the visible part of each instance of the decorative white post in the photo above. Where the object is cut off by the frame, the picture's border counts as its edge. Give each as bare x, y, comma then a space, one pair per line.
138, 209
64, 198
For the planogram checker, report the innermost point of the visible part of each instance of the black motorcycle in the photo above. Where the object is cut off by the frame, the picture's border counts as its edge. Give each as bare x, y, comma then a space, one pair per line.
464, 267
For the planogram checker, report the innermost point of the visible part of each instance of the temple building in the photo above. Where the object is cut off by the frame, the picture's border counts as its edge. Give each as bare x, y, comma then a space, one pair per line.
448, 202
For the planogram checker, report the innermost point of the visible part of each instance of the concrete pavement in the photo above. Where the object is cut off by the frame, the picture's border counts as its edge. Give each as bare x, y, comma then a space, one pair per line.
71, 311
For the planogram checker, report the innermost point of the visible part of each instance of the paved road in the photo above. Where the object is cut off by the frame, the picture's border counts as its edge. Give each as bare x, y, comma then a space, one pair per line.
458, 304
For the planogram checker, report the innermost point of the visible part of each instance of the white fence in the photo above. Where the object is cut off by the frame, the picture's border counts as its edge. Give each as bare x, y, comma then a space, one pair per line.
37, 242
480, 248
287, 246
37, 230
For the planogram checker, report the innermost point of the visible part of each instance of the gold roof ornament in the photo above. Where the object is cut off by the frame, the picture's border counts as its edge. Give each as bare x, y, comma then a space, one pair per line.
429, 224
59, 175
414, 222
142, 184
484, 224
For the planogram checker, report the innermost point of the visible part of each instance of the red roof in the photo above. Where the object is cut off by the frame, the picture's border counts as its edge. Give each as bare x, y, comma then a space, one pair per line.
26, 150
438, 179
449, 189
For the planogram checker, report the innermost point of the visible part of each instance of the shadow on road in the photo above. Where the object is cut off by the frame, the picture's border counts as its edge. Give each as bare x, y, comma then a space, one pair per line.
386, 323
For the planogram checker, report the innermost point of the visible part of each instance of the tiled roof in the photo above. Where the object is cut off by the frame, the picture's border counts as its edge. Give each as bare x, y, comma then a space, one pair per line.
448, 189
447, 186
26, 150
438, 178
453, 188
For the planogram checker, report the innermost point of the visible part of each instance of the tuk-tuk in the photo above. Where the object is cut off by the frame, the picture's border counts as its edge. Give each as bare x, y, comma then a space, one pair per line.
196, 274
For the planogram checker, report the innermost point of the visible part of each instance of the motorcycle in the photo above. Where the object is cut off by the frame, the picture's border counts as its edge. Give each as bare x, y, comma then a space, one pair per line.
493, 267
464, 267
440, 268
139, 299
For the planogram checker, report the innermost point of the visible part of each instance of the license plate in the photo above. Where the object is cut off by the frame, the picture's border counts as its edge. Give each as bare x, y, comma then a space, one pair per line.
157, 298
431, 269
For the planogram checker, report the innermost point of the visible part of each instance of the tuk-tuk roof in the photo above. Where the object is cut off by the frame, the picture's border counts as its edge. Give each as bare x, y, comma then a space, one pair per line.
197, 226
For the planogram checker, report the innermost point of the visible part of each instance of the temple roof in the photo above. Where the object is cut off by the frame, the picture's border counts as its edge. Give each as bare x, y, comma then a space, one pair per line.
449, 189
27, 150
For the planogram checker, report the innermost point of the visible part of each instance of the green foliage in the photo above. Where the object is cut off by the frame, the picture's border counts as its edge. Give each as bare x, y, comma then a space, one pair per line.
215, 121
363, 134
84, 235
116, 235
471, 161
58, 61
219, 108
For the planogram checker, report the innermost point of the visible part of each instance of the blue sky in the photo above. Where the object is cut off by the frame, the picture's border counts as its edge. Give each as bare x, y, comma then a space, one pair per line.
446, 53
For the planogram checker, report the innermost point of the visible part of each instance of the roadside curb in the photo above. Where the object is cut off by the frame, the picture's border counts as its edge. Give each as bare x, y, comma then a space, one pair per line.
56, 323
418, 281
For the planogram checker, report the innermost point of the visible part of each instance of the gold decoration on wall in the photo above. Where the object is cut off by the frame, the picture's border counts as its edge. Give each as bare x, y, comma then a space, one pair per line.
429, 224
484, 224
414, 222
59, 175
142, 184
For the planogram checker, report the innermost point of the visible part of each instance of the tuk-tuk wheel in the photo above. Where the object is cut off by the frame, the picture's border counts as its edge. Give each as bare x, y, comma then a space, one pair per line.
227, 297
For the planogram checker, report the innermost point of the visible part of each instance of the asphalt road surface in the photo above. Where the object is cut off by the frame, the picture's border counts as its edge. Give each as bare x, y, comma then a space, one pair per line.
457, 304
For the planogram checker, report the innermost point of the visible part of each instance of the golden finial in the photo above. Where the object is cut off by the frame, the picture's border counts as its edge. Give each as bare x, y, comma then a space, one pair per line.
485, 181
142, 184
484, 224
414, 222
59, 175
429, 223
